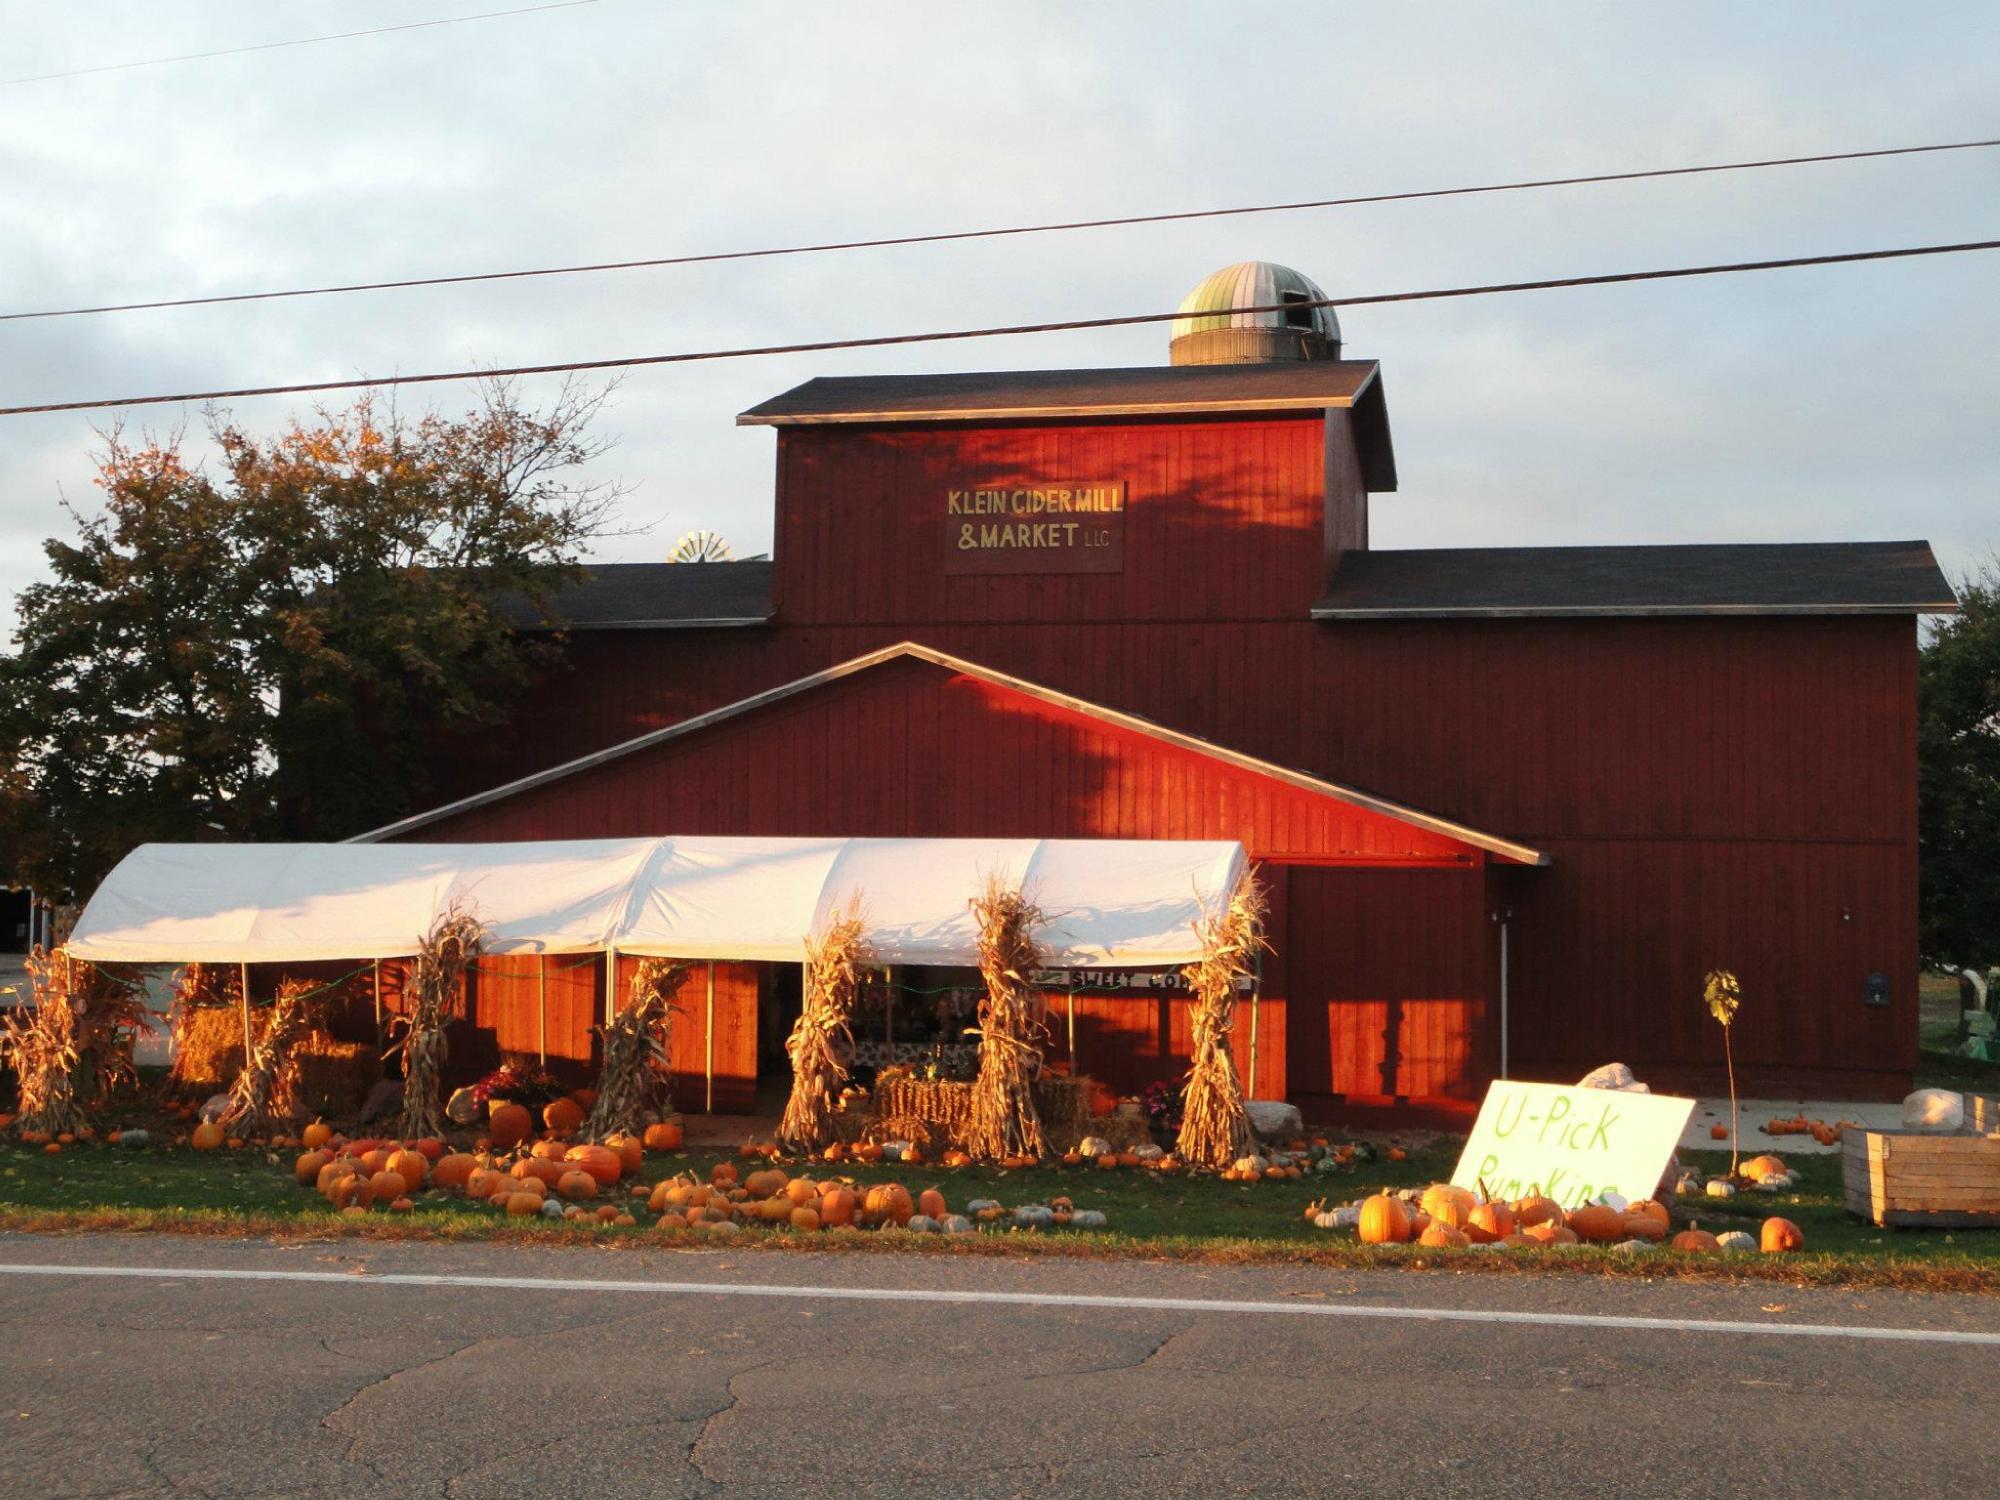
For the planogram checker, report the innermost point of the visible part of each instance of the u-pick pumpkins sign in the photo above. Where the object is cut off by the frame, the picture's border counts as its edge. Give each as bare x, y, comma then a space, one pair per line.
1570, 1144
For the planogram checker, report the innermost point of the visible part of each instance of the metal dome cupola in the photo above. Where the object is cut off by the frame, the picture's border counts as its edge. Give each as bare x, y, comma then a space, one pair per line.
1214, 329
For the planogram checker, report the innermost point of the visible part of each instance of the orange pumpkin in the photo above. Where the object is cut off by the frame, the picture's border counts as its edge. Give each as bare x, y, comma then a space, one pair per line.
888, 1203
1384, 1221
836, 1208
1695, 1242
672, 1221
1718, 1132
805, 1220
1549, 1232
1439, 1194
1597, 1223
802, 1192
509, 1124
577, 1183
562, 1116
307, 1167
452, 1171
521, 1205
667, 1135
601, 1162
546, 1172
387, 1186
411, 1166
316, 1135
767, 1184
1645, 1227
207, 1136
481, 1181
1442, 1236
1535, 1209
353, 1192
328, 1171
1489, 1223
931, 1202
548, 1148
1649, 1208
1780, 1237
631, 1150
724, 1174
431, 1147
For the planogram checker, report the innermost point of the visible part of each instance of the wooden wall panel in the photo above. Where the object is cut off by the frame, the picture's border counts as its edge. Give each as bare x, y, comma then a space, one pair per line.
732, 1085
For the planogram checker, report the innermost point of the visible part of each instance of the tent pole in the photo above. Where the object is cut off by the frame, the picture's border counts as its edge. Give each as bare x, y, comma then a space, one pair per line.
708, 1042
1256, 986
243, 980
542, 1006
377, 985
610, 984
1074, 1070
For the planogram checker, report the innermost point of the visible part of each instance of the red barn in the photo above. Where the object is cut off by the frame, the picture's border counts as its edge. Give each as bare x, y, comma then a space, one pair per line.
1511, 803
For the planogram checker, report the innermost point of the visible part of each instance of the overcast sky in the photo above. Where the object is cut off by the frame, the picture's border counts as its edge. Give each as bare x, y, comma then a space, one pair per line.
1839, 403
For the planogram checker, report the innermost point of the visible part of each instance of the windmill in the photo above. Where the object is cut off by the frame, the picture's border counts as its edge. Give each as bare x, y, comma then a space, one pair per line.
701, 547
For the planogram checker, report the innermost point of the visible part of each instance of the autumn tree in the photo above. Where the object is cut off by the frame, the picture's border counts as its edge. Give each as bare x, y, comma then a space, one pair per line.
1958, 779
262, 646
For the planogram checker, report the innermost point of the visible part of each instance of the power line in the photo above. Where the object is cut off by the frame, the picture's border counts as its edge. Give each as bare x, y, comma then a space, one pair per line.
985, 234
303, 41
1069, 326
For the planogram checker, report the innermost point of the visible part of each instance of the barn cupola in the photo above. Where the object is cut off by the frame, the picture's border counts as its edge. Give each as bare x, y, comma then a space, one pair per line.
1216, 328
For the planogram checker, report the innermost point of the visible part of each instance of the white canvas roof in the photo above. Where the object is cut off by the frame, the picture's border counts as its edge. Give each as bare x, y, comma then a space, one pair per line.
1111, 902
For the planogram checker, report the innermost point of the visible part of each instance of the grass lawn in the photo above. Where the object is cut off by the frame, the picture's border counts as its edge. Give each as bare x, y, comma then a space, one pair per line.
243, 1192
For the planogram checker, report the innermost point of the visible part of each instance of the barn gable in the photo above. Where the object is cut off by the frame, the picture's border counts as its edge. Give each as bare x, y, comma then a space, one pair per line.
911, 742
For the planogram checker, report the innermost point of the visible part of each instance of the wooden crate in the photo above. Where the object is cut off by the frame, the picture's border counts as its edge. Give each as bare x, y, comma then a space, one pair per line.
1914, 1179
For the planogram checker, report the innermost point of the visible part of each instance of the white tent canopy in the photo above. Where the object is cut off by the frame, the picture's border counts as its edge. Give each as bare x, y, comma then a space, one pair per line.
1111, 903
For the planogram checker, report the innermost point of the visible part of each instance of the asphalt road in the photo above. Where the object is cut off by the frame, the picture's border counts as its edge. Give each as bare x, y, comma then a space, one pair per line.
317, 1376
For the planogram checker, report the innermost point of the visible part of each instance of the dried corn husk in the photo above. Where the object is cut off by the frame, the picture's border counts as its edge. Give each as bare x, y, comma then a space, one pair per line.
443, 956
1011, 1029
1215, 1128
634, 1079
822, 1042
267, 1090
72, 1049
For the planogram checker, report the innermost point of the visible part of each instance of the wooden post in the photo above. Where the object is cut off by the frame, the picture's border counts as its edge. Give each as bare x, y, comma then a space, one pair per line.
542, 1006
708, 1042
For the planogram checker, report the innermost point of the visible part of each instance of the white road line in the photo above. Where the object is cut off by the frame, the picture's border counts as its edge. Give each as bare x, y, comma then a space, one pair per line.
1023, 1299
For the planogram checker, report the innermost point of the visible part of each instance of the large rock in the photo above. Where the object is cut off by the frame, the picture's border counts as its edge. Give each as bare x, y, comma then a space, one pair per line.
1275, 1120
1934, 1109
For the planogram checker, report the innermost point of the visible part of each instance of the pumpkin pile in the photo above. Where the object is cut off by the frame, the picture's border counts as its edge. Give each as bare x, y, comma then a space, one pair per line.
770, 1198
1444, 1217
1819, 1130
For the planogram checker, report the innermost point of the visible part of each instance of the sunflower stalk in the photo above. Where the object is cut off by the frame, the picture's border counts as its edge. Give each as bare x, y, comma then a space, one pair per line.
822, 1041
1215, 1127
634, 1080
443, 956
1012, 1027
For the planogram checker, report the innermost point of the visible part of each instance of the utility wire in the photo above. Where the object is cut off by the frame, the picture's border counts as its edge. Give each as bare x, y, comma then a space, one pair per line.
1069, 326
987, 234
303, 41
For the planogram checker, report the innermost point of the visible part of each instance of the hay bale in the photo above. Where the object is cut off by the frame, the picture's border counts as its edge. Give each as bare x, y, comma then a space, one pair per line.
333, 1077
210, 1056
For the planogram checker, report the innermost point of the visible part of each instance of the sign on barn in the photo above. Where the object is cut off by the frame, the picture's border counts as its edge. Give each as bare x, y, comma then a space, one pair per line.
1051, 528
1570, 1144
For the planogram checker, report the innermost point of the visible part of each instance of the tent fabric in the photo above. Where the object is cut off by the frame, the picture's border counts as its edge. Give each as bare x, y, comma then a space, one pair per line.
1111, 903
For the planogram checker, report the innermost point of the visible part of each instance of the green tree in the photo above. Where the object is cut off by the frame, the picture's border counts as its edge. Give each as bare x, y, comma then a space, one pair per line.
268, 650
1958, 779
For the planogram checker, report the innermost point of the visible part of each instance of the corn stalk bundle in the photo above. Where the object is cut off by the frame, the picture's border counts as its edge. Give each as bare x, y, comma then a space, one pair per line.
1011, 1029
443, 956
1215, 1128
267, 1090
198, 988
72, 1049
822, 1042
634, 1078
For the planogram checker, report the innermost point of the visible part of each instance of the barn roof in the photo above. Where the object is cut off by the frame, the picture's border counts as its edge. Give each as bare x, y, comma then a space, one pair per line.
1144, 390
1784, 578
658, 596
1504, 848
